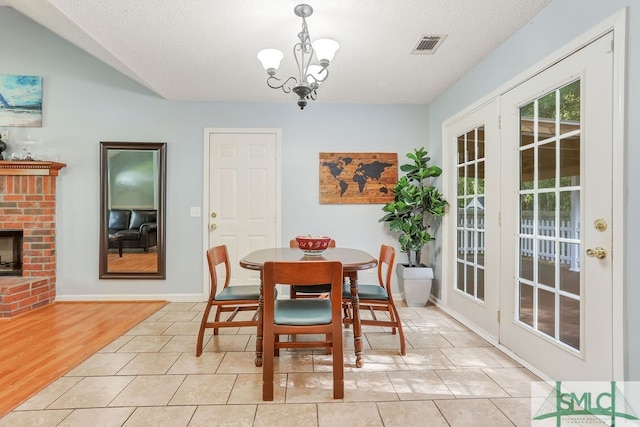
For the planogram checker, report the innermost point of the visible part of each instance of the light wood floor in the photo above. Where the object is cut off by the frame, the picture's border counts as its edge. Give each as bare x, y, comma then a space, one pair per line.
133, 261
38, 347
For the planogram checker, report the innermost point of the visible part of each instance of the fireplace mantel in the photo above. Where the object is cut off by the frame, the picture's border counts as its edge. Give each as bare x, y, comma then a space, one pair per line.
30, 167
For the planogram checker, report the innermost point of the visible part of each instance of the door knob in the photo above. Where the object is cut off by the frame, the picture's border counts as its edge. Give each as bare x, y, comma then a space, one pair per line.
600, 224
213, 227
597, 252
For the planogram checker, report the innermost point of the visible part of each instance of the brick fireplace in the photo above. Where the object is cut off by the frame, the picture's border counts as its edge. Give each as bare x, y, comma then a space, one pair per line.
28, 203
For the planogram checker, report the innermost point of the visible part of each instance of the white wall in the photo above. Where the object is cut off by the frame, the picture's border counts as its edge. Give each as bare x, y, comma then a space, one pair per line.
558, 24
86, 102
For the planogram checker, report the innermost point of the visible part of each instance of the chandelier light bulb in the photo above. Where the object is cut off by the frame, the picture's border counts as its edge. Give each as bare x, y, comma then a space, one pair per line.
325, 50
270, 59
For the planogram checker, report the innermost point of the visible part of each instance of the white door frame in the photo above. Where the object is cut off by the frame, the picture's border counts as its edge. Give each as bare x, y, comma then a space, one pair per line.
205, 190
618, 23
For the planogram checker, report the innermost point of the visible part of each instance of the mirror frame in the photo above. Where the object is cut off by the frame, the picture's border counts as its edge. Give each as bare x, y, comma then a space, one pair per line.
161, 148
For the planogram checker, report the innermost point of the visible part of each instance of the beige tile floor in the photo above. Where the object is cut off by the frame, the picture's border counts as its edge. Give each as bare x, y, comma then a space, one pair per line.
151, 377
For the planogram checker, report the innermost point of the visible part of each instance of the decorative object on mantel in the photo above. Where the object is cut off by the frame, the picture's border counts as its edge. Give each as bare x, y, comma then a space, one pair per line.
21, 101
357, 178
309, 75
3, 147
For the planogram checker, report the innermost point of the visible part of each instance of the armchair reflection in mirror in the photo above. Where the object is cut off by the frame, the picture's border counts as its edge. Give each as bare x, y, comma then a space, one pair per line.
132, 210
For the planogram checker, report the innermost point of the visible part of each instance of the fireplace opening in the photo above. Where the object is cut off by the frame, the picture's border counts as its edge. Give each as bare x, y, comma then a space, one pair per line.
11, 252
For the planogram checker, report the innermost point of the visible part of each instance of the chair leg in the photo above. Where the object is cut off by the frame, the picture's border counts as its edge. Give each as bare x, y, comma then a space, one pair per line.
403, 345
338, 365
217, 319
267, 364
203, 325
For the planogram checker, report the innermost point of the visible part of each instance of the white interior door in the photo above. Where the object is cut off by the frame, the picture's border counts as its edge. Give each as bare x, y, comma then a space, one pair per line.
557, 189
242, 192
472, 272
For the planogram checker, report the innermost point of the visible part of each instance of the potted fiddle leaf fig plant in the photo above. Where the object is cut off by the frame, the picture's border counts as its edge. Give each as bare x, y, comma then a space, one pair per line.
416, 203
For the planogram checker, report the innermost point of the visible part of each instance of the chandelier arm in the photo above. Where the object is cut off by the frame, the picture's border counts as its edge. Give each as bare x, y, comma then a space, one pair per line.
285, 86
312, 95
317, 81
303, 54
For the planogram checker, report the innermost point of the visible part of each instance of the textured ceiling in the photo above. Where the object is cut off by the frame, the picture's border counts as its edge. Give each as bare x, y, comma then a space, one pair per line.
206, 49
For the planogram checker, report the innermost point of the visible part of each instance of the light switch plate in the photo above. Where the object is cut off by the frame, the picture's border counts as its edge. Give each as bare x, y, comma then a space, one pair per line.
194, 211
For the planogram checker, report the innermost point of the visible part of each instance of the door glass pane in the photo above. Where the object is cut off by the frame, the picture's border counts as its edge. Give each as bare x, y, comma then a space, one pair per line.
570, 160
547, 165
570, 321
546, 262
570, 105
460, 273
526, 259
570, 269
549, 212
546, 312
525, 308
470, 282
547, 116
471, 146
470, 213
526, 124
526, 168
461, 149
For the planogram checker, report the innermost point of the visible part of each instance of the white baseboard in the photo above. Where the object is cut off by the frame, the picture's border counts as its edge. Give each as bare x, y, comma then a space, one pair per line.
134, 297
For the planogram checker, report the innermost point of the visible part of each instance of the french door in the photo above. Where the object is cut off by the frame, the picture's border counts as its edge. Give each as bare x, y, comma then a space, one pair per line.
556, 255
473, 220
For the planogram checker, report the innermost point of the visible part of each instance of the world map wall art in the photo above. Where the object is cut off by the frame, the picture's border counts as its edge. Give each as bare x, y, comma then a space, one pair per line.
350, 178
21, 101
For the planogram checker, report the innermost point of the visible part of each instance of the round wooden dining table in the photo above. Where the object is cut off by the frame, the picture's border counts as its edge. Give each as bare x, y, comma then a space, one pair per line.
353, 260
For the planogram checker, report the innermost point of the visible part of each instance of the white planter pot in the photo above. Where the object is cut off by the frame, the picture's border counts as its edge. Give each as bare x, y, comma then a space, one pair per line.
415, 284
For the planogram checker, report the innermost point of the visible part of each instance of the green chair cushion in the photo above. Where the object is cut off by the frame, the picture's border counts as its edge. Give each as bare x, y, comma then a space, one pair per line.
302, 312
375, 292
238, 292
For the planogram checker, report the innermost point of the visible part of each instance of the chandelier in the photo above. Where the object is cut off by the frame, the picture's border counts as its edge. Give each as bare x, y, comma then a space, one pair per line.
309, 75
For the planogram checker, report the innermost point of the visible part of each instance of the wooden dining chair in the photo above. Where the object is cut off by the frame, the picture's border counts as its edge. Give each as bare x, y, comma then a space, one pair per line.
302, 316
227, 299
309, 291
378, 298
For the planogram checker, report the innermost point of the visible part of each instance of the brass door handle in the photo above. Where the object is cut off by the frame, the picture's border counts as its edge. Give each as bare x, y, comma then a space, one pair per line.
213, 227
597, 252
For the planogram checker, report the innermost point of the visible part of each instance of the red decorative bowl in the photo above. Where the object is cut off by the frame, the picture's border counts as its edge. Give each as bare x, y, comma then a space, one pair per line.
313, 245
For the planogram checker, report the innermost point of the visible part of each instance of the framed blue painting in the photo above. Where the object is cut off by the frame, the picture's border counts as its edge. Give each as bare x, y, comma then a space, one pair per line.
21, 101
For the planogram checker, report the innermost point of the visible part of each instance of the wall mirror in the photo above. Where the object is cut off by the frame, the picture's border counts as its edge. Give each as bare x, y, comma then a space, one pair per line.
132, 210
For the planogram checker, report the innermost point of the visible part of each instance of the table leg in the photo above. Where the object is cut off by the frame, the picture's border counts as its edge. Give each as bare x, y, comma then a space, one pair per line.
357, 327
259, 330
120, 247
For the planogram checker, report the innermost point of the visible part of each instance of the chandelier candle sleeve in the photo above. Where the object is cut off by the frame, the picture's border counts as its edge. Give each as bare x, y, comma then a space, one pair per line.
309, 75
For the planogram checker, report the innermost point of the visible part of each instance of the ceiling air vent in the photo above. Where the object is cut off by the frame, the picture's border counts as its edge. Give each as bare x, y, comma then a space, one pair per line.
428, 45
